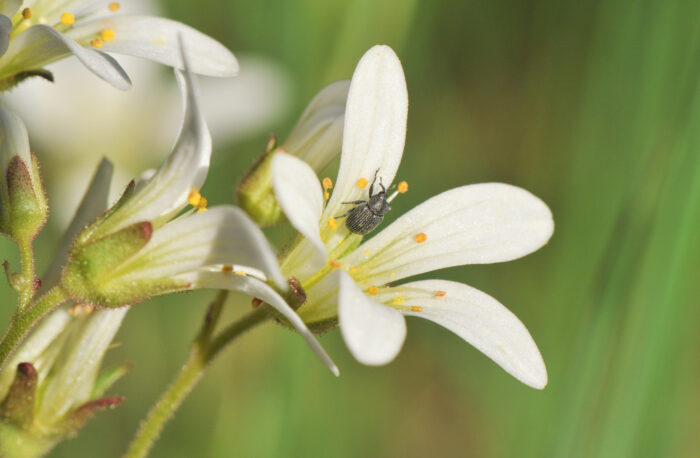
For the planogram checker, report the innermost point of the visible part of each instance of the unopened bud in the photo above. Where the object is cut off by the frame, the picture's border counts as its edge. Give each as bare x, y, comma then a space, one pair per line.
23, 204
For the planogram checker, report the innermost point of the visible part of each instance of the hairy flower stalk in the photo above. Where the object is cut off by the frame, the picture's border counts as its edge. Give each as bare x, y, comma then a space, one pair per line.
353, 282
35, 33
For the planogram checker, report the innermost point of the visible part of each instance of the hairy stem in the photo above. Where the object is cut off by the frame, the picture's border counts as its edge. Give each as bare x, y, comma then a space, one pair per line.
203, 351
27, 290
23, 321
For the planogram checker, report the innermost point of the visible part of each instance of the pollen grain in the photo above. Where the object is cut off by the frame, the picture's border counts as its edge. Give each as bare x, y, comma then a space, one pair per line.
420, 238
416, 308
440, 293
114, 6
227, 268
96, 42
373, 290
332, 223
362, 182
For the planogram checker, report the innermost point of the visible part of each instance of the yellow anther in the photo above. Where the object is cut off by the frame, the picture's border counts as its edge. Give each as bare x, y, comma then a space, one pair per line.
332, 223
327, 183
402, 188
240, 273
373, 290
392, 275
96, 42
326, 195
334, 264
107, 35
227, 268
398, 300
362, 182
353, 270
27, 13
420, 238
201, 210
367, 252
366, 282
440, 293
67, 19
196, 199
114, 6
416, 308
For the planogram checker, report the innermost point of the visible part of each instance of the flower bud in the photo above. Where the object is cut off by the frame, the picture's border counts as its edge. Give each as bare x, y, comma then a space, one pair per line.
316, 139
23, 204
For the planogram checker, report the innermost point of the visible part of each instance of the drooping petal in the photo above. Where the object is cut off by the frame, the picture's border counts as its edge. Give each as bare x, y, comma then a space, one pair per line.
70, 384
316, 138
5, 29
221, 235
93, 205
477, 318
475, 224
40, 45
299, 194
184, 170
373, 332
156, 39
257, 288
375, 127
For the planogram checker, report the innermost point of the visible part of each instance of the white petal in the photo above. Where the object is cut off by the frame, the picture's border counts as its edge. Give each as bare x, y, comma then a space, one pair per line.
299, 194
256, 288
42, 336
375, 126
475, 224
156, 39
477, 318
373, 332
40, 45
93, 205
221, 235
5, 29
71, 383
184, 169
317, 136
14, 140
9, 7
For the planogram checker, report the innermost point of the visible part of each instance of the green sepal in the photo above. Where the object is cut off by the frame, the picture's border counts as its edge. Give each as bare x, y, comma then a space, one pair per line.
77, 418
26, 210
17, 408
255, 193
109, 377
95, 229
91, 273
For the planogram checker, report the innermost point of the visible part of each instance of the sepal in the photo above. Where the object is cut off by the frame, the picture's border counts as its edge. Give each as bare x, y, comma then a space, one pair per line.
255, 193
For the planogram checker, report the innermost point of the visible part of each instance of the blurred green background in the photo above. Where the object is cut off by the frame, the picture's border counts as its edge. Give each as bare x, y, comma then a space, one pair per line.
592, 106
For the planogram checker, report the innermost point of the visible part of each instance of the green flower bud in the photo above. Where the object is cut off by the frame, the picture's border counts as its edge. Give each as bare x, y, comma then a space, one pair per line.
315, 139
23, 204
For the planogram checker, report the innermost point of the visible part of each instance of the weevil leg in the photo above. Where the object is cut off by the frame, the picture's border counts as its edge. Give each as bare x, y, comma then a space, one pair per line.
371, 188
380, 184
345, 214
355, 202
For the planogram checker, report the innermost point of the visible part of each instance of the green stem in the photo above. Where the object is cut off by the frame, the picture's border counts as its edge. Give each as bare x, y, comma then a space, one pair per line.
201, 354
22, 322
26, 293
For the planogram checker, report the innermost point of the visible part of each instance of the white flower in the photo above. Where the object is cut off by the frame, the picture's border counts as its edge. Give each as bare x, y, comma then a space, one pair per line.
35, 33
144, 246
348, 281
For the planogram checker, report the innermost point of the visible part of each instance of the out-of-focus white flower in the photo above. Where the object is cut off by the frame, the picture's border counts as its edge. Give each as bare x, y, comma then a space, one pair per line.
34, 33
132, 127
348, 281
